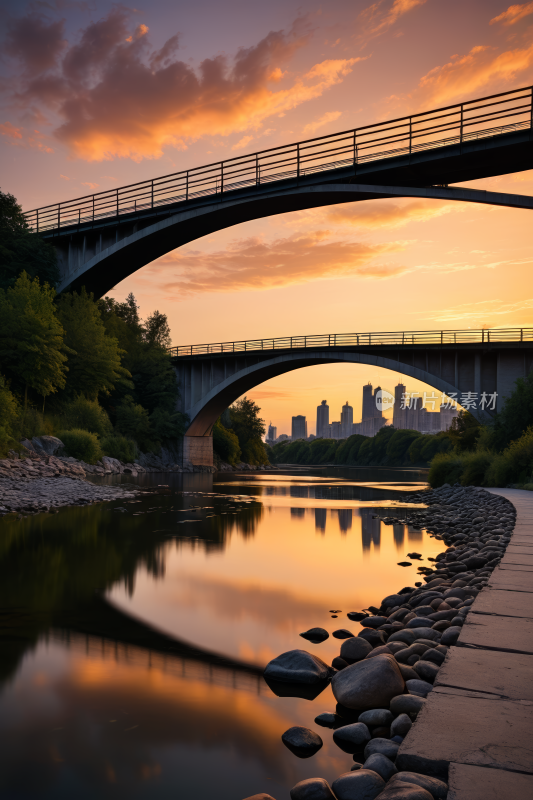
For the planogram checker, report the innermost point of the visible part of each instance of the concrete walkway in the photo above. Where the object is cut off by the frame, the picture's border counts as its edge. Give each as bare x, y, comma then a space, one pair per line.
478, 720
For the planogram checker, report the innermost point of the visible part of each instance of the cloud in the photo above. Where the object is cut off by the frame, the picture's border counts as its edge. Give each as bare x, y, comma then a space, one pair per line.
386, 214
242, 142
477, 313
9, 130
255, 264
16, 137
330, 116
513, 14
36, 44
380, 16
91, 185
118, 97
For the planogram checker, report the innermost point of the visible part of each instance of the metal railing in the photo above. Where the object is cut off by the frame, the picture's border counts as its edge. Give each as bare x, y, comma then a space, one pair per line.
405, 338
485, 117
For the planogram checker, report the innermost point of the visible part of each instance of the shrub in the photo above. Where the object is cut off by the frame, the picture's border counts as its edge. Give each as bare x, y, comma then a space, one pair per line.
82, 445
475, 466
133, 421
120, 447
226, 444
499, 471
9, 417
445, 468
87, 415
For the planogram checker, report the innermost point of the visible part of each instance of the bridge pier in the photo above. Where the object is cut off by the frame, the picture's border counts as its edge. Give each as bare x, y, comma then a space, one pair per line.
198, 450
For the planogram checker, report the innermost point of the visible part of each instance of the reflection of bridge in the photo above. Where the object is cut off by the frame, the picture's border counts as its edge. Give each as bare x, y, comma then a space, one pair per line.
103, 238
213, 376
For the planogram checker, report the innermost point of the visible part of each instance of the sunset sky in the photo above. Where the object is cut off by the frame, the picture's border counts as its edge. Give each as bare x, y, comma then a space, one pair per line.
95, 95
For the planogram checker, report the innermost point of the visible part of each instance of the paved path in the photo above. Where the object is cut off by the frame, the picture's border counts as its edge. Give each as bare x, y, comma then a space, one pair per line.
478, 721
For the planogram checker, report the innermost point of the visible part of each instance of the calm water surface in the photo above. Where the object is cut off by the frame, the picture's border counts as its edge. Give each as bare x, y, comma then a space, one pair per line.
133, 641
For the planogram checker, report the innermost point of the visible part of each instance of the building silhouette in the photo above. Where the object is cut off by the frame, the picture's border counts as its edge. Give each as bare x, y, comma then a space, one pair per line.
368, 402
320, 519
335, 430
346, 420
299, 427
272, 433
322, 420
372, 416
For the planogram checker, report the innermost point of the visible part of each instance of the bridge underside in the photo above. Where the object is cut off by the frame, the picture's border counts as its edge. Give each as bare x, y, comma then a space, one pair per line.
100, 253
210, 383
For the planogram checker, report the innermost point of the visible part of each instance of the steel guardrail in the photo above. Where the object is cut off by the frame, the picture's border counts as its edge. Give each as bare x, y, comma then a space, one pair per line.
328, 340
482, 118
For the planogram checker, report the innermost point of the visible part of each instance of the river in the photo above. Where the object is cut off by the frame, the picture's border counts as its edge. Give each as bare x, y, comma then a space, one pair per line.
134, 634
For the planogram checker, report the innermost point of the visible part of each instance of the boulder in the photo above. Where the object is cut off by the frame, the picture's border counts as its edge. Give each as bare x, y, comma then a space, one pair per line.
380, 764
421, 688
365, 784
315, 635
356, 616
374, 622
383, 746
401, 726
261, 796
299, 666
303, 742
396, 790
351, 737
450, 636
342, 633
312, 789
377, 717
426, 670
379, 651
50, 444
368, 684
438, 789
355, 648
407, 704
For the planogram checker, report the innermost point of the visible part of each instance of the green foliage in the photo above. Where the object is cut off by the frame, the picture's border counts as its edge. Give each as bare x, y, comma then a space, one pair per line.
157, 330
82, 445
464, 432
119, 447
516, 415
132, 420
426, 446
9, 417
153, 376
226, 444
399, 444
445, 468
95, 359
88, 415
475, 466
22, 250
32, 352
167, 424
249, 429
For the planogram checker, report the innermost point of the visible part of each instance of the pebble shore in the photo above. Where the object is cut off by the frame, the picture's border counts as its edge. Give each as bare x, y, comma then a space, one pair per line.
383, 675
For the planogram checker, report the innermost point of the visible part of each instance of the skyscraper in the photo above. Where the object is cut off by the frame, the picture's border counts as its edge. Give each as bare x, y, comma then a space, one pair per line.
272, 433
322, 420
299, 427
346, 421
377, 412
368, 402
336, 431
399, 415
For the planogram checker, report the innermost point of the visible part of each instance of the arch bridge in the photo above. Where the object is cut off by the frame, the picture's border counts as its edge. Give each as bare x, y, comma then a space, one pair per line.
453, 362
102, 238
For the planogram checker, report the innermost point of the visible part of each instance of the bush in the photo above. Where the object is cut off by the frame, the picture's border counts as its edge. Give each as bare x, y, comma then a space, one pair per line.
226, 444
82, 445
133, 421
119, 447
87, 415
499, 471
9, 417
475, 467
445, 468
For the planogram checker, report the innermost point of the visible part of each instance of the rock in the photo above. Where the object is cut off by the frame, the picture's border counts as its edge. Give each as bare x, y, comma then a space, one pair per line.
368, 684
376, 638
396, 600
408, 673
382, 765
420, 622
421, 688
438, 789
50, 444
376, 717
379, 651
312, 789
407, 636
315, 635
381, 733
395, 790
426, 670
383, 746
426, 633
355, 648
351, 737
298, 666
328, 720
339, 663
401, 726
365, 784
374, 622
303, 742
356, 616
450, 636
342, 633
261, 796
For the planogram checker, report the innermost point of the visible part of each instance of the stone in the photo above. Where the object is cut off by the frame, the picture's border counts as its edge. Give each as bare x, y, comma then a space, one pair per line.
368, 684
342, 633
421, 688
420, 622
376, 717
375, 638
379, 651
355, 649
374, 622
396, 600
383, 746
408, 673
426, 633
450, 636
298, 666
260, 796
484, 783
339, 663
315, 635
351, 737
50, 444
356, 616
328, 720
401, 726
312, 789
438, 789
365, 784
426, 670
380, 764
404, 791
408, 636
303, 742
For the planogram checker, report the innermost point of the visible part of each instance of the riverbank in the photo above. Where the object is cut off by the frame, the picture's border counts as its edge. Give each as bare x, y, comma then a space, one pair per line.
384, 678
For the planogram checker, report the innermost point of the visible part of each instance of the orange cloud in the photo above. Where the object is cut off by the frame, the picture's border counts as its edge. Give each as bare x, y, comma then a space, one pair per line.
15, 136
9, 130
375, 21
386, 214
330, 116
477, 313
254, 264
513, 14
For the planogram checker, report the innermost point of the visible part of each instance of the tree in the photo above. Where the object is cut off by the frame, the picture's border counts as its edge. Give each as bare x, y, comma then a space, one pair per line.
226, 444
153, 377
32, 351
95, 359
132, 420
464, 431
22, 250
516, 415
9, 416
157, 330
250, 429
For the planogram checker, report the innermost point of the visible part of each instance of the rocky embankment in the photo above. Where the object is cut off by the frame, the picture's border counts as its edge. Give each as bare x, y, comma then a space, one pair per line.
383, 676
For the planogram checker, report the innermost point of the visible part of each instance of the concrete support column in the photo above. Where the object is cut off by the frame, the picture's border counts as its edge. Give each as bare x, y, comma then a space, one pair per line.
477, 374
511, 365
198, 450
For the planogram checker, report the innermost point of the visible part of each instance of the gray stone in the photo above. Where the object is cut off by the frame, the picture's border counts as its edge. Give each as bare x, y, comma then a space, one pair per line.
438, 789
298, 666
404, 791
408, 673
327, 719
408, 635
351, 737
395, 600
342, 633
376, 638
355, 648
426, 670
339, 663
50, 444
401, 726
260, 796
315, 635
368, 684
379, 651
374, 622
426, 633
420, 622
450, 636
377, 717
312, 789
303, 742
382, 765
435, 656
383, 746
421, 688
365, 784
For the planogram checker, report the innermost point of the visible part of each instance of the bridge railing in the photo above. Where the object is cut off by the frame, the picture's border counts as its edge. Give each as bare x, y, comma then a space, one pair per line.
483, 335
482, 118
